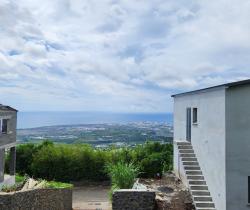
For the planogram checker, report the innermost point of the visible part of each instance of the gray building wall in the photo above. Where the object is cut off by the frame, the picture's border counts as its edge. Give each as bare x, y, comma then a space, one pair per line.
8, 140
237, 146
10, 137
208, 137
178, 166
2, 161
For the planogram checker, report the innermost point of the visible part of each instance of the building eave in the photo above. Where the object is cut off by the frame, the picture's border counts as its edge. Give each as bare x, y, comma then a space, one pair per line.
227, 85
7, 108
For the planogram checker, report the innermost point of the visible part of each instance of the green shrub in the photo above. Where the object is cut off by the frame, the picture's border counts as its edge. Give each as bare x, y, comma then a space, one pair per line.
24, 154
152, 165
78, 162
69, 162
122, 175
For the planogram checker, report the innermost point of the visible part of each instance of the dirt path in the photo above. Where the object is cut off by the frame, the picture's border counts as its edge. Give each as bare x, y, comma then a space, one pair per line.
91, 198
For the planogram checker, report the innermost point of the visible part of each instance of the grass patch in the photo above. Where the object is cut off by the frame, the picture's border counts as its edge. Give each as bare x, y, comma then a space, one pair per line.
19, 178
48, 184
20, 181
56, 185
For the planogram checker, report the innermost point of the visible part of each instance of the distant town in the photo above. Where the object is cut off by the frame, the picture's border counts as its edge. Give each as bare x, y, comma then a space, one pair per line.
100, 135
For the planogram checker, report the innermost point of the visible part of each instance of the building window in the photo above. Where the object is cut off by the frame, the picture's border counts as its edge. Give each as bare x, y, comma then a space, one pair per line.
195, 115
4, 126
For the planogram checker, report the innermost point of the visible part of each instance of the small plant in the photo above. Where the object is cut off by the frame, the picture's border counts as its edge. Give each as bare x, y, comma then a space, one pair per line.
122, 175
11, 188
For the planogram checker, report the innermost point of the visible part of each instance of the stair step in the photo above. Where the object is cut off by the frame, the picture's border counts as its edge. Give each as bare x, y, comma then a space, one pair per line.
200, 193
210, 208
195, 182
198, 187
194, 172
185, 147
190, 163
183, 143
188, 159
187, 155
192, 168
205, 204
203, 198
200, 178
186, 151
206, 209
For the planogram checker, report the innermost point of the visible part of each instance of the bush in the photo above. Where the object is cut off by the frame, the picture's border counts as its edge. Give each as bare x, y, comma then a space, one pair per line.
67, 163
153, 158
24, 154
122, 175
152, 165
76, 162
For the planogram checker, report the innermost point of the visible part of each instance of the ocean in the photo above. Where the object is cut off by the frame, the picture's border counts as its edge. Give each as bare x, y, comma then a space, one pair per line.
39, 119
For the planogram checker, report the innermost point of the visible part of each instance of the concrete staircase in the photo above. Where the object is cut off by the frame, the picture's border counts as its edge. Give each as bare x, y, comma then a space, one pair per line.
196, 181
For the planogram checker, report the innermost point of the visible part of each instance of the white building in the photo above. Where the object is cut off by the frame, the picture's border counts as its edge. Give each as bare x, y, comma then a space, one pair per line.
212, 145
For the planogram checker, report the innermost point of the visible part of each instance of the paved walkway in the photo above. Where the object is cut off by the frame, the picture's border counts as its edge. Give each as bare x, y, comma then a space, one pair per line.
91, 198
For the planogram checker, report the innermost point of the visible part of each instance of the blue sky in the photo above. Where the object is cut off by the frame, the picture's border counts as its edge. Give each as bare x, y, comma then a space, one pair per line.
118, 55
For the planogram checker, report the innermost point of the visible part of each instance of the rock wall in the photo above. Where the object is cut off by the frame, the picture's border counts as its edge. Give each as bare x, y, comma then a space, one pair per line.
180, 200
37, 199
133, 200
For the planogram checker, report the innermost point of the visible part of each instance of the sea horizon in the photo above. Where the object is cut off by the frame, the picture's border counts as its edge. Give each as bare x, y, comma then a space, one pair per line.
33, 119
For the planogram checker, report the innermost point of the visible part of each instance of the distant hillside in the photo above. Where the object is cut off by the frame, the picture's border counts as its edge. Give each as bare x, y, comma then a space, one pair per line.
99, 135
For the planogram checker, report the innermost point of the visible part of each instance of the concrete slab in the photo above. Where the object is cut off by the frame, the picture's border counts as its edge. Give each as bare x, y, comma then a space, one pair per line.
91, 198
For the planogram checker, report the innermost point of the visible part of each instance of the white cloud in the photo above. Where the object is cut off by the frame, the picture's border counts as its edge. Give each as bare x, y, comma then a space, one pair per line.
118, 55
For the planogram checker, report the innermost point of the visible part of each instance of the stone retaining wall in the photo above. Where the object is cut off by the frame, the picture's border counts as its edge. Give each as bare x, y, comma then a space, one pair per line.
133, 200
37, 199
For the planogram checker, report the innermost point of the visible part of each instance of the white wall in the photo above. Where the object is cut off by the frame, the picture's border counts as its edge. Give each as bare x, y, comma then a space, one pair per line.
237, 146
178, 167
208, 137
8, 181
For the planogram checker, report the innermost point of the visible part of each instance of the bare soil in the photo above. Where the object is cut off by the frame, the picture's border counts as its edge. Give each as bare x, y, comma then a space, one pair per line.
171, 194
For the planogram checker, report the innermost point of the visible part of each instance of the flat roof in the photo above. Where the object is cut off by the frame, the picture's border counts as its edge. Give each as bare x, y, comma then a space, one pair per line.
231, 84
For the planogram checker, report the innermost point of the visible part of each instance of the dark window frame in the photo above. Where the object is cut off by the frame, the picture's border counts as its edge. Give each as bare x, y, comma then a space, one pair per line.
188, 124
195, 115
4, 126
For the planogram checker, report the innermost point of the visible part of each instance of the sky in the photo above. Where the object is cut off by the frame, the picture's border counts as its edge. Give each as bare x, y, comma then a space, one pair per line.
118, 55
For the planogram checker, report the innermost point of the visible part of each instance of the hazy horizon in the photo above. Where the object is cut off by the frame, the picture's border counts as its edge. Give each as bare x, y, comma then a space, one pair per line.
50, 118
